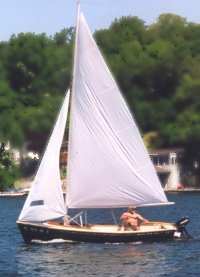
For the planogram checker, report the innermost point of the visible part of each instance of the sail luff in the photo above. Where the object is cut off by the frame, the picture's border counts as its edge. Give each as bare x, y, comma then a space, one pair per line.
72, 101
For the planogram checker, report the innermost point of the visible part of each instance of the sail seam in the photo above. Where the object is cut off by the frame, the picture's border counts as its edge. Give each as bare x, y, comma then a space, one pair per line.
105, 90
124, 129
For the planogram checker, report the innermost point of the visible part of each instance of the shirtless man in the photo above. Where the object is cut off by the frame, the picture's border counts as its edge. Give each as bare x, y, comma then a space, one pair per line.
131, 219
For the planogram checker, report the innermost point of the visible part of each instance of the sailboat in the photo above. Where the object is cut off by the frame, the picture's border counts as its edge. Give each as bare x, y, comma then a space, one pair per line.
108, 165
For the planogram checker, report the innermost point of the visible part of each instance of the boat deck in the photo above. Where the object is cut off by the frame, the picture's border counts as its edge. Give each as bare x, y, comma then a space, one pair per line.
146, 227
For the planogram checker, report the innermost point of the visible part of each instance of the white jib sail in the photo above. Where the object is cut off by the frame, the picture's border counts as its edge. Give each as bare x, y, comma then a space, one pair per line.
45, 200
108, 165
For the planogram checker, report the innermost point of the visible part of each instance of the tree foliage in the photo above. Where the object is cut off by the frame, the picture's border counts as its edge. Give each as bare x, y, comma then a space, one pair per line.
36, 72
157, 68
8, 172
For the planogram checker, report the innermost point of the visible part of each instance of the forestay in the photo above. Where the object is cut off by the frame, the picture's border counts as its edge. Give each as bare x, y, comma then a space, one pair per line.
45, 200
108, 164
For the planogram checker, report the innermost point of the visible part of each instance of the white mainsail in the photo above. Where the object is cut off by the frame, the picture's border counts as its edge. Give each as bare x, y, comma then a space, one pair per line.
108, 165
45, 200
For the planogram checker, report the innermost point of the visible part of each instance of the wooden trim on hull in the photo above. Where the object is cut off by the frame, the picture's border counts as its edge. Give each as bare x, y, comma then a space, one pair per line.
46, 232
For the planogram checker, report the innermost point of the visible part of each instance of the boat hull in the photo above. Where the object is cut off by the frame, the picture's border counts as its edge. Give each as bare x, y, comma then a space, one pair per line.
48, 232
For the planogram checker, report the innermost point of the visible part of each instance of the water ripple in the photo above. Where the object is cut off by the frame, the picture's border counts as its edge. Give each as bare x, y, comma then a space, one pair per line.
58, 258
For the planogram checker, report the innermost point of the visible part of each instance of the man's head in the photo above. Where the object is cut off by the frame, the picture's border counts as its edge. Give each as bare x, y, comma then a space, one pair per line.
132, 209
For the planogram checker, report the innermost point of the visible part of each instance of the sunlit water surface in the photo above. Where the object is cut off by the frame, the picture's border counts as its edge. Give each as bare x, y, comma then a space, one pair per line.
170, 258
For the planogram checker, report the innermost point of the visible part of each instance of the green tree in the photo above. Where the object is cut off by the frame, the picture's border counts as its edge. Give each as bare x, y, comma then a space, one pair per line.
8, 172
157, 68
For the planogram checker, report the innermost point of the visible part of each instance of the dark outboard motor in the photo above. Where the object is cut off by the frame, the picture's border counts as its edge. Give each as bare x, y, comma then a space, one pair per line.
181, 223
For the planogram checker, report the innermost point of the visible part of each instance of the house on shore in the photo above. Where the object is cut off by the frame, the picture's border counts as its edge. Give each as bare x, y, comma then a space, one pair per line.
167, 163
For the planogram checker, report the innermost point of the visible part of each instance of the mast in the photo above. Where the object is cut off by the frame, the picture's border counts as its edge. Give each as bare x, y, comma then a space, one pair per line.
73, 89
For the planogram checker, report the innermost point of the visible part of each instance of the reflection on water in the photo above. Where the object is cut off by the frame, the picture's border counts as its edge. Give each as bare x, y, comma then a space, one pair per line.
94, 259
83, 259
171, 258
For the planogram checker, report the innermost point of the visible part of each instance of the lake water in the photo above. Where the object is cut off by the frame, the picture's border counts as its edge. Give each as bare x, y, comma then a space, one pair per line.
170, 258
